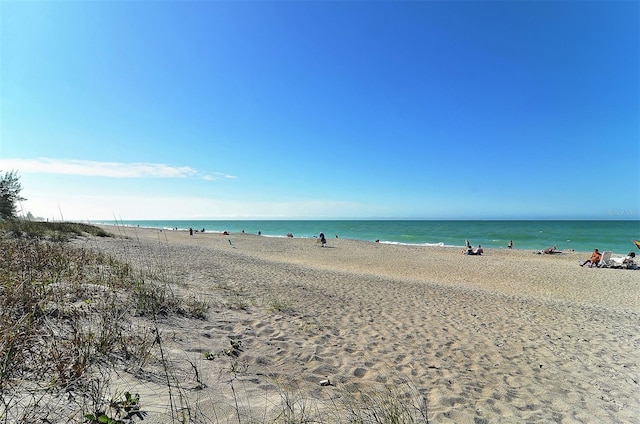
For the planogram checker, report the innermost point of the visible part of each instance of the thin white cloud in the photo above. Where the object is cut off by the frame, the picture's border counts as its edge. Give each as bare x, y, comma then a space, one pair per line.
103, 169
217, 176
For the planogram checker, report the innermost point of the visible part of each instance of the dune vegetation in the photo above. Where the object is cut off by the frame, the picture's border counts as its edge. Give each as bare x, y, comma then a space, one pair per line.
74, 320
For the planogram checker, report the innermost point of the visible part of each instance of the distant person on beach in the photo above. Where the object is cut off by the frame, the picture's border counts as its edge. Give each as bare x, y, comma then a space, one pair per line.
479, 251
593, 260
190, 231
323, 240
551, 250
467, 244
510, 244
259, 232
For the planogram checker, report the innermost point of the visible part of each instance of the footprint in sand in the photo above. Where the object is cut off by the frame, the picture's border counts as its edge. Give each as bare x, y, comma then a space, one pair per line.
325, 370
359, 372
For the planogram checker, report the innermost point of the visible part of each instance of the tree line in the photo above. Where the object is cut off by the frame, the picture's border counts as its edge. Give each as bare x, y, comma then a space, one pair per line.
10, 189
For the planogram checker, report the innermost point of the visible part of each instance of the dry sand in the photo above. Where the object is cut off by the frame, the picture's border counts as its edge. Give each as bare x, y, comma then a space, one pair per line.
510, 336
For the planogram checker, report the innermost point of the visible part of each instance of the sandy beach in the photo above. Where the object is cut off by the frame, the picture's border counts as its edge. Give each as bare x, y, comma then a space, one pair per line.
507, 337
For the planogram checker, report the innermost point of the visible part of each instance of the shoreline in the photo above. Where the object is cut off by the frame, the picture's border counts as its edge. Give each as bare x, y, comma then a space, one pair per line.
533, 235
381, 242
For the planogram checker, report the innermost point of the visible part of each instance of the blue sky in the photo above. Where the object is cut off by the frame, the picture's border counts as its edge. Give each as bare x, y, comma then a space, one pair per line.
326, 109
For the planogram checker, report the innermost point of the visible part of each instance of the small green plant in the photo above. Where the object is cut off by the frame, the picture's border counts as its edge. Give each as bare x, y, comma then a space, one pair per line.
125, 410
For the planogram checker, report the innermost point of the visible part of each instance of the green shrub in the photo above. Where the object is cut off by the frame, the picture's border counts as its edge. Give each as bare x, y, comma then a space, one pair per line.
58, 231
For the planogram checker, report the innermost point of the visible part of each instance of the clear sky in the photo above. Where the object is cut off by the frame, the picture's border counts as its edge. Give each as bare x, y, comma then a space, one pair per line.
322, 109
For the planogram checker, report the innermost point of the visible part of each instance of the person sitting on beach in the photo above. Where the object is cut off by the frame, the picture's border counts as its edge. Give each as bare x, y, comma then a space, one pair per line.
479, 251
551, 250
510, 244
628, 261
323, 240
593, 260
625, 262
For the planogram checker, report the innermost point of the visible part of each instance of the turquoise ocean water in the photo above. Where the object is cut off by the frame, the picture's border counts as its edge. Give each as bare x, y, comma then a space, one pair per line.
582, 236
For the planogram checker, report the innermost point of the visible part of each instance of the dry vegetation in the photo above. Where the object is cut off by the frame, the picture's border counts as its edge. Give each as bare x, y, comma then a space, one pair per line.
66, 319
70, 317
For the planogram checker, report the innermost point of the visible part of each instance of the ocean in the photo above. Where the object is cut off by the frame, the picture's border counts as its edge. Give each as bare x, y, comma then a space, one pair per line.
580, 236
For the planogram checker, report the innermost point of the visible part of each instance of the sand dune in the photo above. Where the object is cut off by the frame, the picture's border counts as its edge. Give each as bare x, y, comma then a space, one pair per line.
510, 336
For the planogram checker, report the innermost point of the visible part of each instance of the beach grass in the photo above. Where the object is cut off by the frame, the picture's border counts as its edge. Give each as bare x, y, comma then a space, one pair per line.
67, 318
61, 231
72, 320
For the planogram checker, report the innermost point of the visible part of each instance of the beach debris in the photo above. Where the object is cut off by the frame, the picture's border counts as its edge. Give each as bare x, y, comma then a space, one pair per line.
236, 348
326, 382
236, 344
235, 351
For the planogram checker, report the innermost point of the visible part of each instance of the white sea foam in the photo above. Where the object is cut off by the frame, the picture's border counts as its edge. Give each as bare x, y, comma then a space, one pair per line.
398, 243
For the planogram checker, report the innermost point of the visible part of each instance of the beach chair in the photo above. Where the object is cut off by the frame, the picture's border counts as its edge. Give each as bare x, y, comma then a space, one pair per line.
605, 260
